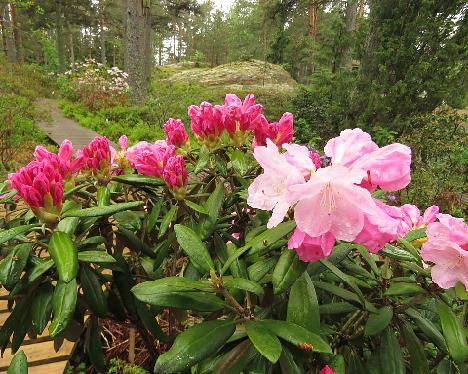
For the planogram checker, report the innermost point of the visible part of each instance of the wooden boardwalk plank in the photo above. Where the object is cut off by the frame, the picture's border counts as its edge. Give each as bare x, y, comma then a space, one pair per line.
58, 127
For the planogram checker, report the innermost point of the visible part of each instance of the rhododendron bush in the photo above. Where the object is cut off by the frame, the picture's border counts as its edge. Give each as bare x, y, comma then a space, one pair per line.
237, 250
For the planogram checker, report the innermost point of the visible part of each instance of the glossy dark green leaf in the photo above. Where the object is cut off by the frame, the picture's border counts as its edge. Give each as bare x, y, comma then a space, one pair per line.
41, 307
377, 322
149, 321
212, 205
94, 345
6, 235
296, 335
19, 364
191, 243
391, 356
193, 345
102, 211
338, 365
13, 264
303, 307
266, 343
418, 360
68, 225
259, 269
135, 243
416, 234
166, 221
236, 359
244, 284
154, 215
396, 253
92, 291
341, 307
428, 328
454, 333
63, 306
96, 257
288, 268
404, 289
65, 255
139, 180
196, 207
287, 363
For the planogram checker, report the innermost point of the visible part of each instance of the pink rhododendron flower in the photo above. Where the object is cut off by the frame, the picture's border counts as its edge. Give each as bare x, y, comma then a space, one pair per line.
62, 161
123, 142
175, 174
331, 202
379, 229
278, 132
327, 370
207, 123
315, 157
447, 249
411, 218
175, 132
40, 184
150, 159
311, 249
387, 167
300, 157
239, 116
269, 191
97, 158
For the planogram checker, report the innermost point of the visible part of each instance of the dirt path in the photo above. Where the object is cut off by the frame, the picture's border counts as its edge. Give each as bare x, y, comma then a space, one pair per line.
58, 127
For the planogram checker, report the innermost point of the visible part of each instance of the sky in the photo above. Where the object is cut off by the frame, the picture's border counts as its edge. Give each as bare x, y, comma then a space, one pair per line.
223, 4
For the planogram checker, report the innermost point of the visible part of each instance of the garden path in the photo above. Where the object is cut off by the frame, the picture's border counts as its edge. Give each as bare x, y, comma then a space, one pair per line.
58, 127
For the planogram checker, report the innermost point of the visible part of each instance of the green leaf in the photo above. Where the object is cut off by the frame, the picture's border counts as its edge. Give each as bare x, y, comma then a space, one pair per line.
13, 264
338, 291
149, 321
428, 328
418, 360
68, 225
303, 307
41, 307
377, 322
194, 247
288, 268
166, 221
203, 158
92, 291
236, 359
154, 215
63, 302
96, 257
454, 333
196, 207
212, 205
94, 345
396, 253
296, 335
259, 269
337, 363
193, 345
367, 256
65, 255
100, 211
139, 180
287, 363
180, 293
415, 234
135, 243
19, 364
12, 233
403, 289
263, 340
238, 161
341, 307
391, 356
244, 284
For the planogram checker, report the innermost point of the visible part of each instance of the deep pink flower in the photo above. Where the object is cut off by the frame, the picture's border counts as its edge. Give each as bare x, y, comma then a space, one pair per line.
62, 161
207, 123
123, 142
379, 229
331, 202
315, 157
150, 159
175, 132
175, 175
310, 249
387, 167
40, 184
327, 370
269, 191
97, 158
278, 132
238, 115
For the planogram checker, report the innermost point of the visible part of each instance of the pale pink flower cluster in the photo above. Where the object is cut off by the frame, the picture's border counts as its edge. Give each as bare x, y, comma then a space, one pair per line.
239, 119
447, 249
334, 202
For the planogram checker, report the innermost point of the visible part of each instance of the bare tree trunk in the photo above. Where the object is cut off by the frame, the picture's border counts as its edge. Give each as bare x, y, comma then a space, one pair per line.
16, 34
138, 48
102, 38
350, 26
2, 27
71, 44
60, 39
362, 6
114, 55
313, 10
10, 44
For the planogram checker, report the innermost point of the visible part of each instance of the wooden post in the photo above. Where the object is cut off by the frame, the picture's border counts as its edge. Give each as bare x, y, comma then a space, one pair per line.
131, 346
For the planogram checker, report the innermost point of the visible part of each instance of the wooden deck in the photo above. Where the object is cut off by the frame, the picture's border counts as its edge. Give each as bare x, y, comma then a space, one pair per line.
58, 127
41, 354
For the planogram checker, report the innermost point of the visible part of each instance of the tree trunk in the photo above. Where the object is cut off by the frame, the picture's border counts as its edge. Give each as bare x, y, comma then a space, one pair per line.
114, 55
362, 7
313, 10
60, 40
102, 38
15, 31
137, 48
3, 28
10, 44
71, 44
350, 26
